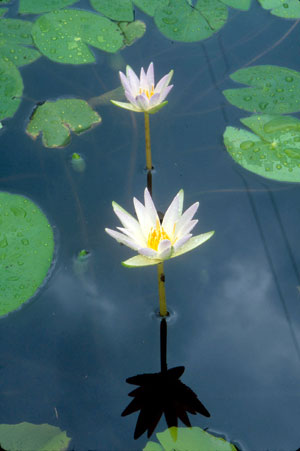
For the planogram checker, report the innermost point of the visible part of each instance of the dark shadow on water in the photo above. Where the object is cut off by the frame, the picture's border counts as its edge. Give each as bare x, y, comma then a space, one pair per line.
162, 393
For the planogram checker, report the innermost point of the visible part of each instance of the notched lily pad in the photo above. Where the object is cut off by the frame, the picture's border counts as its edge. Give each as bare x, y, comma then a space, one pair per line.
63, 36
273, 90
11, 89
180, 21
26, 250
119, 10
242, 5
191, 439
27, 436
272, 151
15, 37
132, 31
56, 119
290, 9
42, 6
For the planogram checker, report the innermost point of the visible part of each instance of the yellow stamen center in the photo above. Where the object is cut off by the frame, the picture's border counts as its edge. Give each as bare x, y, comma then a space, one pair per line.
156, 235
146, 91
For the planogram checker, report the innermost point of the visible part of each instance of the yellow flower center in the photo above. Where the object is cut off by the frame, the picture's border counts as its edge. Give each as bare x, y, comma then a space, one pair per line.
157, 234
146, 91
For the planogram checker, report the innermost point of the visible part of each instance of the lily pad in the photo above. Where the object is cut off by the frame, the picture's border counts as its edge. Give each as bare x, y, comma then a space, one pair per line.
272, 151
15, 37
11, 89
149, 7
180, 21
289, 9
3, 11
120, 10
42, 6
55, 120
64, 35
132, 31
26, 250
243, 5
191, 439
78, 163
273, 90
28, 436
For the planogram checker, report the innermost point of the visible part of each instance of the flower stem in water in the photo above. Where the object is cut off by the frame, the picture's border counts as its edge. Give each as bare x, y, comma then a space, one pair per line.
148, 143
161, 290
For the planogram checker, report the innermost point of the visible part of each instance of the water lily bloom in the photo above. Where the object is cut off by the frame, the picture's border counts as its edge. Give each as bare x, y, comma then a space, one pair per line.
142, 94
157, 241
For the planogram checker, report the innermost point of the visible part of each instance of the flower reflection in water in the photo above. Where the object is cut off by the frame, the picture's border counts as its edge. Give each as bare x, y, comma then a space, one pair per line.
162, 393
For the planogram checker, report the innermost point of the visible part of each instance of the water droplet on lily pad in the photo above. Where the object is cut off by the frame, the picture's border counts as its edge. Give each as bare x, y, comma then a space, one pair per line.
245, 145
289, 79
247, 98
263, 105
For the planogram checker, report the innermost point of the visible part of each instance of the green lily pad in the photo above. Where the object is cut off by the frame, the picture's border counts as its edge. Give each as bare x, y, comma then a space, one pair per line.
191, 439
273, 90
289, 9
26, 250
11, 89
132, 31
37, 437
77, 162
120, 10
15, 37
272, 151
42, 6
3, 11
55, 120
149, 7
181, 21
63, 35
243, 5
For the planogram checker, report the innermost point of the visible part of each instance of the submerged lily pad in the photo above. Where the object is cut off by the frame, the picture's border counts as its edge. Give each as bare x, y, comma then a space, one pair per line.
191, 439
180, 21
64, 35
273, 89
26, 250
42, 6
15, 37
3, 11
38, 437
289, 9
11, 89
132, 31
272, 152
120, 10
55, 120
243, 5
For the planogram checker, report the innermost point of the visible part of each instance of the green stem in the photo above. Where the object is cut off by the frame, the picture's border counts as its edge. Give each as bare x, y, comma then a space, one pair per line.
148, 143
161, 290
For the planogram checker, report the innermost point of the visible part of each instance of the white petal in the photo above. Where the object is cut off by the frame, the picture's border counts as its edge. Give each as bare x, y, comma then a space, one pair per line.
142, 101
143, 80
150, 75
147, 252
186, 217
129, 222
131, 99
133, 81
140, 260
143, 217
123, 239
154, 100
165, 92
156, 108
164, 249
173, 213
133, 236
163, 82
179, 243
192, 243
150, 207
188, 227
127, 106
125, 82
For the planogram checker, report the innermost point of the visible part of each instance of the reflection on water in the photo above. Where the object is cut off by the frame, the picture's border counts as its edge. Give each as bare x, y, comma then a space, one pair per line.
162, 393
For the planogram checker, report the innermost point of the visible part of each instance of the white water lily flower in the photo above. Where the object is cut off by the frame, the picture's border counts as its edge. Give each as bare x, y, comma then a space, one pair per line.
143, 95
153, 240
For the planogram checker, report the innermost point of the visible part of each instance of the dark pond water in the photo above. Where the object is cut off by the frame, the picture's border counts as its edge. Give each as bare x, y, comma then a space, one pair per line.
66, 354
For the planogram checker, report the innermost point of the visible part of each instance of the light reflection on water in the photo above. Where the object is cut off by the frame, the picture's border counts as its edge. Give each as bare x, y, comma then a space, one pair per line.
235, 299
